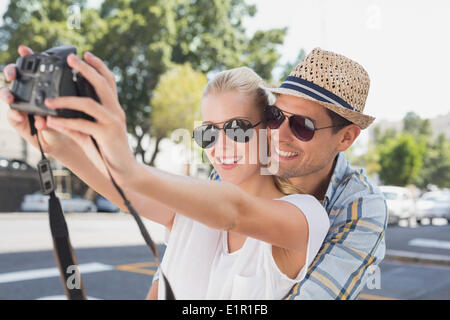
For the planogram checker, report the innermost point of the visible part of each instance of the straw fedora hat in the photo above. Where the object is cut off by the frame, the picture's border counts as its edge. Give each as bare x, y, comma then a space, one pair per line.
336, 82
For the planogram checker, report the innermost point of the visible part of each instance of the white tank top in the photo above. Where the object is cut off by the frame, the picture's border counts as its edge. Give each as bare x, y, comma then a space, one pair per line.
198, 265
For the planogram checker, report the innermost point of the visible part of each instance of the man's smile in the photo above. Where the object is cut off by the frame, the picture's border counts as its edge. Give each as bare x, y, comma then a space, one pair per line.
286, 155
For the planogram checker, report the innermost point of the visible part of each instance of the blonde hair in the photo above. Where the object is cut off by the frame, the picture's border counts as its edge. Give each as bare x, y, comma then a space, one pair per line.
245, 80
285, 186
242, 79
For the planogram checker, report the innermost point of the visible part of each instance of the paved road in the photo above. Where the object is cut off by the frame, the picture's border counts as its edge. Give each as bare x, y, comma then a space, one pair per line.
429, 239
126, 273
110, 271
107, 273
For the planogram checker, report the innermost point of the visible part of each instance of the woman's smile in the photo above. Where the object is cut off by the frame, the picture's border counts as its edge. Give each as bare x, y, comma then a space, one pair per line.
228, 163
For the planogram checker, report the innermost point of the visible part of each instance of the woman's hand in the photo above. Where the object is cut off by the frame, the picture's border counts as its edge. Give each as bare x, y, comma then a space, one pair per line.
109, 130
52, 142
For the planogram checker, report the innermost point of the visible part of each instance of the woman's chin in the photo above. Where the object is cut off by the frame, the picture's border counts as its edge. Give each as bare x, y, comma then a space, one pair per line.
235, 174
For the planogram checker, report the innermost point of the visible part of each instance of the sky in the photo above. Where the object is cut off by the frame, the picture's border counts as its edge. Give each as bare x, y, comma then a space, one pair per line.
402, 44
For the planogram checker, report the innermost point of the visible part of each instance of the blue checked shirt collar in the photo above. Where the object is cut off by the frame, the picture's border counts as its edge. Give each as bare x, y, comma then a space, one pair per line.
341, 170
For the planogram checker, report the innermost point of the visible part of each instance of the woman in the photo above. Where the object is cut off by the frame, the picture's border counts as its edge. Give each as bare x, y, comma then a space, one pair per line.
234, 239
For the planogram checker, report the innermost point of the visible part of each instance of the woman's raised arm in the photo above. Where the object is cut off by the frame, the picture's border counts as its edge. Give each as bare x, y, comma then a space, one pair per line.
223, 205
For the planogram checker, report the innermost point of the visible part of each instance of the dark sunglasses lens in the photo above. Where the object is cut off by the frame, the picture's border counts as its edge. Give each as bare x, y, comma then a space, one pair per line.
239, 130
206, 136
274, 117
300, 129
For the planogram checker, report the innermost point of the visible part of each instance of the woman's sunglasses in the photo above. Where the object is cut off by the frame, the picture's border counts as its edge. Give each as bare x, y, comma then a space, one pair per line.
240, 130
302, 127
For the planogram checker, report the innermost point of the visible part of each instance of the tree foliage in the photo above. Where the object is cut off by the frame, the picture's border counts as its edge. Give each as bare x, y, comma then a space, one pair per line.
411, 156
400, 160
176, 101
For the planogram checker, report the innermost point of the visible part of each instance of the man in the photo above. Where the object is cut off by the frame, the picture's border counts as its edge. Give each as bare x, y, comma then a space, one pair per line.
322, 102
318, 114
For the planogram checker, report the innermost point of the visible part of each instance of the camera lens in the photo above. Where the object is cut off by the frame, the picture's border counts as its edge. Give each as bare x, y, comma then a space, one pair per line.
44, 168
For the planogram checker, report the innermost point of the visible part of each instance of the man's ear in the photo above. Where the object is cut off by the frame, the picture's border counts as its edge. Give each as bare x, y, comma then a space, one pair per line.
347, 136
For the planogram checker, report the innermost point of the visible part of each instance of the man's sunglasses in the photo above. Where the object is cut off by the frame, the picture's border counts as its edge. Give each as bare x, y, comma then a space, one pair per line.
302, 127
240, 130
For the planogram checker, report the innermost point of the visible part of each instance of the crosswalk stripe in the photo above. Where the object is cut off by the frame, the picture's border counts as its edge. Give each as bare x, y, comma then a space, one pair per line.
50, 272
430, 243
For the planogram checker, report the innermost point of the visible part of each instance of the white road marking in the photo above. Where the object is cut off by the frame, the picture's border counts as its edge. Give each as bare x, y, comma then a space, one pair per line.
430, 243
50, 272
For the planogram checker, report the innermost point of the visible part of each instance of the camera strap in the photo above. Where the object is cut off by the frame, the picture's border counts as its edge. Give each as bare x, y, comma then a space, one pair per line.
63, 251
64, 254
148, 240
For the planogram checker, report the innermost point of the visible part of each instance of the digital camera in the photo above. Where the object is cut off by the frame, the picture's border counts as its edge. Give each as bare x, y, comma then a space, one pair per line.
47, 75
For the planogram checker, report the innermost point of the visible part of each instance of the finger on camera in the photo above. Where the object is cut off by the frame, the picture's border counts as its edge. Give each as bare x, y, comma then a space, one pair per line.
6, 95
101, 68
98, 82
15, 116
40, 122
24, 50
10, 72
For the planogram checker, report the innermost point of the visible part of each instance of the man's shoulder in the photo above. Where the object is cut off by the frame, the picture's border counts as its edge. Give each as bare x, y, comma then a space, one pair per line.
357, 183
349, 182
357, 192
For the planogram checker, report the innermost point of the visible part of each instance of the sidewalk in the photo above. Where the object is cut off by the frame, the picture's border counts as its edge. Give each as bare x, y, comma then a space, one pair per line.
20, 232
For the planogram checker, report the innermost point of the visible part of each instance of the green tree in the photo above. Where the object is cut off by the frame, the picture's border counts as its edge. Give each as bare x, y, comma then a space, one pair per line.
413, 124
380, 137
436, 168
400, 160
211, 36
176, 102
44, 24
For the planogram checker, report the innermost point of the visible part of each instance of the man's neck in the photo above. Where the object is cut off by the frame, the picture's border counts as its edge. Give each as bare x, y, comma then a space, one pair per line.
316, 183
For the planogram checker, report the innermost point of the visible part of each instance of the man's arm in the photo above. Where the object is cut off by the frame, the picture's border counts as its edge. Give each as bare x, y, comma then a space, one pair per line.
355, 241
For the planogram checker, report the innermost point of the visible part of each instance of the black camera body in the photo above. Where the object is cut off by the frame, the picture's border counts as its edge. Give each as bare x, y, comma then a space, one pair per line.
47, 75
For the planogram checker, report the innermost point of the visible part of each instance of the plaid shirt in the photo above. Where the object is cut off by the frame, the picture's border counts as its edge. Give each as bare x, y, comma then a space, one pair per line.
358, 217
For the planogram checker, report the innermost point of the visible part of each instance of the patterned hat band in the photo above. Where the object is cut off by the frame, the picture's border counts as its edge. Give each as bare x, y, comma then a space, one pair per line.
315, 92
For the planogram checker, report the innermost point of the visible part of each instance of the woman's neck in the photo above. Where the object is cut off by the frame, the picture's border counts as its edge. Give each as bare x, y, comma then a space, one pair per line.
261, 186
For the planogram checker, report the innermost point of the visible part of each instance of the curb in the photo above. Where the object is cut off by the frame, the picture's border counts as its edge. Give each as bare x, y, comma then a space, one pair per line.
416, 257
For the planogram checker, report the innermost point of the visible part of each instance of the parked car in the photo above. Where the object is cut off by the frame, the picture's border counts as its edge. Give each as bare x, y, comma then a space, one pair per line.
104, 205
39, 202
15, 164
434, 204
17, 178
400, 203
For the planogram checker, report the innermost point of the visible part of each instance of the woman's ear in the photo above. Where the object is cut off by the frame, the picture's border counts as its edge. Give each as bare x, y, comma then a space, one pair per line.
347, 136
